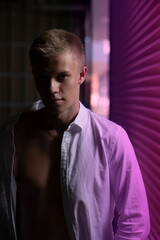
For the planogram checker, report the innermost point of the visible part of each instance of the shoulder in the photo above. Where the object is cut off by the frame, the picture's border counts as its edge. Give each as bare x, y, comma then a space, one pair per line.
22, 117
112, 134
115, 138
104, 126
29, 119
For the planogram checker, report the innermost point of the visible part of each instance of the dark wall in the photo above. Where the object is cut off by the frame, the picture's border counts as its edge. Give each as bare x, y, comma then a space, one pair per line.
135, 88
20, 23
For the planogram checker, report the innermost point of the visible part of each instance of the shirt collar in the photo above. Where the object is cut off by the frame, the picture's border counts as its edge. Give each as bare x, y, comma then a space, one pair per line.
81, 119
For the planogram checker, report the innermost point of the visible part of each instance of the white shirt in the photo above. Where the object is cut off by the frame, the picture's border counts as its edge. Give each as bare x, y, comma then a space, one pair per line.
99, 171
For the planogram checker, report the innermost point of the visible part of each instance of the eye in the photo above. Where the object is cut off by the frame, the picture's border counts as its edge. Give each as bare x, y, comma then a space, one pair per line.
61, 77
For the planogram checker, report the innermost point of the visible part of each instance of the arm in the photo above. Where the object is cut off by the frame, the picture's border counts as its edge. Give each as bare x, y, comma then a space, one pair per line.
128, 191
5, 223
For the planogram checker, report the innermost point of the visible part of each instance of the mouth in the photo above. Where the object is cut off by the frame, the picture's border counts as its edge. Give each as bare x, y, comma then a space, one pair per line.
57, 100
54, 101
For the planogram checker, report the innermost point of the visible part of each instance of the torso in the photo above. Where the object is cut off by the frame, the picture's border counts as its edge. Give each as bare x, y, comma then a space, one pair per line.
37, 173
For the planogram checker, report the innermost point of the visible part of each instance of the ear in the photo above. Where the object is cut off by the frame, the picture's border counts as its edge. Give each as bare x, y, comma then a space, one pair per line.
82, 75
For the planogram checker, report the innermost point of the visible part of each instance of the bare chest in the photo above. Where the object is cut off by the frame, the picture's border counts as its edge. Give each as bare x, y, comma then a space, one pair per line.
37, 159
39, 202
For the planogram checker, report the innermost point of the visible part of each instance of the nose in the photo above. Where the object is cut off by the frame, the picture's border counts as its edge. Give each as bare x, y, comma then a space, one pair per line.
54, 85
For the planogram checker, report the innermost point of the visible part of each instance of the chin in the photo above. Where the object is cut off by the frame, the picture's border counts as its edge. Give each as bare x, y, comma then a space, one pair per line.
54, 109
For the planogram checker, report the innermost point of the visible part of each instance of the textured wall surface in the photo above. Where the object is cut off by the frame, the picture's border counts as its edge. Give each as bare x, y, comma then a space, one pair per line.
135, 88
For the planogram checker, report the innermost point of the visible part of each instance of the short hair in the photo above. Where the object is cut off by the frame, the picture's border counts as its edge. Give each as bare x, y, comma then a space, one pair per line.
55, 42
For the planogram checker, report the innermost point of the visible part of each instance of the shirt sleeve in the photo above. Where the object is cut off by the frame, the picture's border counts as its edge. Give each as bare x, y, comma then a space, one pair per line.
128, 190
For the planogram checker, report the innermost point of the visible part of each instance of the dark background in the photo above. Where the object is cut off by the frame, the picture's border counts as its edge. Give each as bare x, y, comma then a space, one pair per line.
21, 22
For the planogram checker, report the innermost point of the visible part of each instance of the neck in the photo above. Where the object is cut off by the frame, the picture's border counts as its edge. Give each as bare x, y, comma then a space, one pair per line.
59, 122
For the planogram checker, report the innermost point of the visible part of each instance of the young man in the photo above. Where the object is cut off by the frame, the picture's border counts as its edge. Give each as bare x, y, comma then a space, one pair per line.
63, 168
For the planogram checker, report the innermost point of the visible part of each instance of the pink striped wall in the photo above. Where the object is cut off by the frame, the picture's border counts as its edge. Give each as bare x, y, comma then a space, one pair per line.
135, 88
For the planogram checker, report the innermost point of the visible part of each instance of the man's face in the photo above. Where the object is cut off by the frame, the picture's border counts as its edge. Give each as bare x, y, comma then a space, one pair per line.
58, 80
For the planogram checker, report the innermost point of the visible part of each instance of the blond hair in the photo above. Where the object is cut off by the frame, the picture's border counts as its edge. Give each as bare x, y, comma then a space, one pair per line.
55, 42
